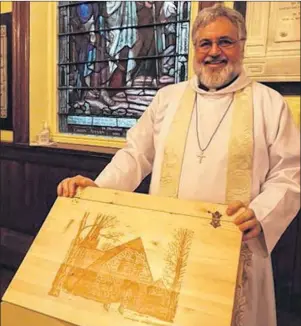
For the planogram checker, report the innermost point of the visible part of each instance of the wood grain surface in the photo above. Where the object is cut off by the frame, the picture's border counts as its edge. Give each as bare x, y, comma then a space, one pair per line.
115, 258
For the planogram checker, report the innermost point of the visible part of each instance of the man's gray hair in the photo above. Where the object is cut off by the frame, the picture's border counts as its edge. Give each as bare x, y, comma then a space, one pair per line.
210, 14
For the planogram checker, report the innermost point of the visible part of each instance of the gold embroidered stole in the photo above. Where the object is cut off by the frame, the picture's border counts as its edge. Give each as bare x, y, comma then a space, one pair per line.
239, 172
240, 150
239, 184
240, 147
175, 146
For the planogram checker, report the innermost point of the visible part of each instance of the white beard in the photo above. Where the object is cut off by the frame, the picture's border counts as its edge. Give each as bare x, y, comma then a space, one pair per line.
215, 78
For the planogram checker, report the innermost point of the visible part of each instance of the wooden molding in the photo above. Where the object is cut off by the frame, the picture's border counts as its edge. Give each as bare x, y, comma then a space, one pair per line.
205, 4
241, 6
20, 80
6, 68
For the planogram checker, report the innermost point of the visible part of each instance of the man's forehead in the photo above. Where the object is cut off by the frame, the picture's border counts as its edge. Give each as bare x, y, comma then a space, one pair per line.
220, 27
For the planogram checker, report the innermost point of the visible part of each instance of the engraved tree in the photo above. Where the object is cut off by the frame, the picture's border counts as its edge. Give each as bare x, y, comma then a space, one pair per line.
176, 261
102, 227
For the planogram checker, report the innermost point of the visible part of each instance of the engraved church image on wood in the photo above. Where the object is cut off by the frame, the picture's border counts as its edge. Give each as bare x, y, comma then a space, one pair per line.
121, 274
109, 257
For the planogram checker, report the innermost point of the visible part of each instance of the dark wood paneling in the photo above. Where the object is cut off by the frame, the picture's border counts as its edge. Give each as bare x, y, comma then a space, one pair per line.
32, 174
241, 6
6, 276
287, 274
285, 88
55, 157
20, 80
13, 246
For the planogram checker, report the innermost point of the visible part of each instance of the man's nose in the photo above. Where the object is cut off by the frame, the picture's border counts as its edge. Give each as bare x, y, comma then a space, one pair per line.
214, 50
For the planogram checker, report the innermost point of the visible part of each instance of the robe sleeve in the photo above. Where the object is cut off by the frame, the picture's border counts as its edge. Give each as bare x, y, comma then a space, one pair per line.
279, 200
131, 164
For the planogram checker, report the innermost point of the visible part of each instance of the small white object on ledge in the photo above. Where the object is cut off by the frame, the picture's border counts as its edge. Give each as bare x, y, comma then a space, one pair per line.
43, 137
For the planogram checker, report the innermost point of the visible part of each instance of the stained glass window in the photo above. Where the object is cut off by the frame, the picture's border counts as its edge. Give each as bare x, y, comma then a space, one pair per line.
113, 58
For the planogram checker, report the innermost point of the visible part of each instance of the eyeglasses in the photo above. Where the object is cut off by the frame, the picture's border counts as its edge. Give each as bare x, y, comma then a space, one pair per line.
222, 43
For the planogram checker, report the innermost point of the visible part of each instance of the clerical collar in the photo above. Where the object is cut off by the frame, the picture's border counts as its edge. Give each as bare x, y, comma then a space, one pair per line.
205, 88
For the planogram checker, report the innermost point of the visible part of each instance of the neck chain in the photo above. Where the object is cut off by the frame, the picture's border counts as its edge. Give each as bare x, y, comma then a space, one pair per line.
201, 154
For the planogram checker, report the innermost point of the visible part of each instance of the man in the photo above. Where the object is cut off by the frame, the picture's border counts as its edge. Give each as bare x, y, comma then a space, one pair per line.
222, 138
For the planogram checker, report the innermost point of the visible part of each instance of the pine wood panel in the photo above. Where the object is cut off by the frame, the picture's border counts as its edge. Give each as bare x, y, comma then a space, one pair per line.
109, 257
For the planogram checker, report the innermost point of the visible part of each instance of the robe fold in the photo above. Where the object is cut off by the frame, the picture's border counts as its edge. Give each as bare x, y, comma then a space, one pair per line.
275, 191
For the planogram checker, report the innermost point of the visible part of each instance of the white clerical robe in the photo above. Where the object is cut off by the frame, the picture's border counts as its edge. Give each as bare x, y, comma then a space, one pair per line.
275, 177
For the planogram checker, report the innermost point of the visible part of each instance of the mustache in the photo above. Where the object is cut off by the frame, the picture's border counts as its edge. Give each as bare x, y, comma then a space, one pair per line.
215, 60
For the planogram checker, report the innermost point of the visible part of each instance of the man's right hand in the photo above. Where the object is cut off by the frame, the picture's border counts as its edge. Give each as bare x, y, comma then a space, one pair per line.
68, 186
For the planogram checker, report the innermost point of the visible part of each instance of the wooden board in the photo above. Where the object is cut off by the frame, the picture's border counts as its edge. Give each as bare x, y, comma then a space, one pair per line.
115, 258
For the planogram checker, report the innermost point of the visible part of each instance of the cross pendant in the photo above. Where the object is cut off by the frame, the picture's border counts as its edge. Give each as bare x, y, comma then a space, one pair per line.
201, 156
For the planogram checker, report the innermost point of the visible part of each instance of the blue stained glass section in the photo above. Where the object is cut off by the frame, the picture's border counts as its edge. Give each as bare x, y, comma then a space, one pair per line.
75, 120
84, 12
105, 122
126, 123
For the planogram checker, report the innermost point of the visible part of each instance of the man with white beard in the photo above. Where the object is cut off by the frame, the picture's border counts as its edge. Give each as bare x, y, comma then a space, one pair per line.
219, 138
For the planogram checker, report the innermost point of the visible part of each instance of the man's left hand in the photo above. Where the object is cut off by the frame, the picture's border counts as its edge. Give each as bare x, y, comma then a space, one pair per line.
246, 221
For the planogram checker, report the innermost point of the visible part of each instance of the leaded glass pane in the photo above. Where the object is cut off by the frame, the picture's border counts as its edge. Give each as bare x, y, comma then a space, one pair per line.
113, 58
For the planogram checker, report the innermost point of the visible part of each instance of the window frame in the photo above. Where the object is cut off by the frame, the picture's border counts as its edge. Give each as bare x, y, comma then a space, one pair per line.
45, 109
